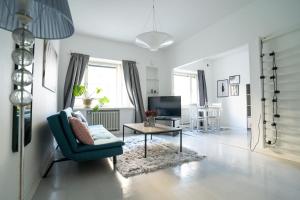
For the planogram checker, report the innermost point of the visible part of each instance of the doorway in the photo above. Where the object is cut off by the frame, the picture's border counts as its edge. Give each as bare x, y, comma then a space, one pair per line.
232, 69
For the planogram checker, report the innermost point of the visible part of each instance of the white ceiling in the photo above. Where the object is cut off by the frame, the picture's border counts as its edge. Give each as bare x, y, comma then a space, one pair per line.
122, 20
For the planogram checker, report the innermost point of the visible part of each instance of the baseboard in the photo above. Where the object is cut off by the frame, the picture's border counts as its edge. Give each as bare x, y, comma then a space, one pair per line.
269, 152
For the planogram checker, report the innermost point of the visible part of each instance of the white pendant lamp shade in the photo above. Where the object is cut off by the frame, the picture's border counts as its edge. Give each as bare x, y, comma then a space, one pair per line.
154, 40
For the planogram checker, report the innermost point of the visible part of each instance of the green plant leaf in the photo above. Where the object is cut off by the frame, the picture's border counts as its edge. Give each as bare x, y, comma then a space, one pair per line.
78, 90
103, 100
96, 108
98, 90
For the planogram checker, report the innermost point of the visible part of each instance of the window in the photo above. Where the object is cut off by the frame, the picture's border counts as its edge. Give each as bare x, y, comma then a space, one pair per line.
185, 85
107, 75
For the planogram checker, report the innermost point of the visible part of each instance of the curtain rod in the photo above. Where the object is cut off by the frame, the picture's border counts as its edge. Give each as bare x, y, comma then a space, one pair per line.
70, 52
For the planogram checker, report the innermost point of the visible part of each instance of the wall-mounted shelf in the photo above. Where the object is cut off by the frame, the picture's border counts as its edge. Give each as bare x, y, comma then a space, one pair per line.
152, 81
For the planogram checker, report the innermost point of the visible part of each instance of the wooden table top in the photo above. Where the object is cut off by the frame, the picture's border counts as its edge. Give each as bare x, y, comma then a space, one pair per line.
159, 128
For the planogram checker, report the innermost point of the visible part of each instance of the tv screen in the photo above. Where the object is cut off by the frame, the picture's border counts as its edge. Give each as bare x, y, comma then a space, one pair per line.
165, 106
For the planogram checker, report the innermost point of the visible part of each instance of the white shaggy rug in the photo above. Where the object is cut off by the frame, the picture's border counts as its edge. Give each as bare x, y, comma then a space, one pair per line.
160, 154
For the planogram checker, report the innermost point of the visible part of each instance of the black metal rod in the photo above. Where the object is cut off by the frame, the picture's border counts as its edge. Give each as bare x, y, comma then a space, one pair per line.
115, 160
52, 163
263, 103
180, 132
123, 132
145, 145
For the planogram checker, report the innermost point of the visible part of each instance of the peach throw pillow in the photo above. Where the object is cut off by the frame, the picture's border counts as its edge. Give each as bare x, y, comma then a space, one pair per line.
80, 130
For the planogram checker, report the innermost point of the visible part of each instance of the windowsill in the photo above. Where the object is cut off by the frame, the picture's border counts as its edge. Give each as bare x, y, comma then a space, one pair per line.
104, 108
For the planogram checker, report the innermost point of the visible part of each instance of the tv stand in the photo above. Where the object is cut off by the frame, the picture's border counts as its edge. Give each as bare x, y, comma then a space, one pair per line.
170, 119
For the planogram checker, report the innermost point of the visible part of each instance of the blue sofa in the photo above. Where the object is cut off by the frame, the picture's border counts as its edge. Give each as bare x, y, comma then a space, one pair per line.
105, 144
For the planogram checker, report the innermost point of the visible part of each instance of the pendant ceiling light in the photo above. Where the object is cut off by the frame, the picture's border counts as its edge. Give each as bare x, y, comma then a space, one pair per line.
154, 40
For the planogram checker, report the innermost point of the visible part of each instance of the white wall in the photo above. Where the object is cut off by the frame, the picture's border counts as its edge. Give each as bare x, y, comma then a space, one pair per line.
44, 104
234, 110
258, 19
219, 67
101, 48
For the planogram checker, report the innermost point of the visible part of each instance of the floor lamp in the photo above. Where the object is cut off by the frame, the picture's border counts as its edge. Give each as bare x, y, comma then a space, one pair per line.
30, 19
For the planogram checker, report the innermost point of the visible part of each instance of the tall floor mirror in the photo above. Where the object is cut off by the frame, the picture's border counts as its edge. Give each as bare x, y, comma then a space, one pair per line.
27, 116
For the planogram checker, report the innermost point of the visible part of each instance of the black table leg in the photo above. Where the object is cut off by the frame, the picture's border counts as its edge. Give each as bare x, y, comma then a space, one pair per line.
145, 145
173, 123
123, 133
180, 132
151, 136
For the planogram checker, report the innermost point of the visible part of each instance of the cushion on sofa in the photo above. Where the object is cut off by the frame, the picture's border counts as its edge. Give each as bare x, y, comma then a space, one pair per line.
64, 117
101, 144
81, 131
99, 132
80, 116
103, 139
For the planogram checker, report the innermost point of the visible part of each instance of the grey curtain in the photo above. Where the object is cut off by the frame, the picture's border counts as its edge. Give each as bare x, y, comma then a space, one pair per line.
202, 88
132, 82
77, 65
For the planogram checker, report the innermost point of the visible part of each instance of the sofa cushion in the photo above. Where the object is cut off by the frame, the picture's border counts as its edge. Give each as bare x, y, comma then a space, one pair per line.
80, 116
101, 144
103, 139
99, 132
81, 131
64, 115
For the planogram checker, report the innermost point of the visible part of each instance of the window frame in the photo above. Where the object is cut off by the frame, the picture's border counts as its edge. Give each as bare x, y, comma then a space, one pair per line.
191, 76
121, 101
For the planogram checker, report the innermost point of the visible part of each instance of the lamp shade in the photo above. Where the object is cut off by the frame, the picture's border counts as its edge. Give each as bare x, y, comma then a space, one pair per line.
51, 19
154, 40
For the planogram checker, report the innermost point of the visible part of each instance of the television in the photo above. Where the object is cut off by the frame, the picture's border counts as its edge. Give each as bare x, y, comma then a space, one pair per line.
165, 106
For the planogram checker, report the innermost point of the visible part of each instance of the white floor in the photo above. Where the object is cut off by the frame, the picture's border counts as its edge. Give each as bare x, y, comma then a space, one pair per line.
230, 171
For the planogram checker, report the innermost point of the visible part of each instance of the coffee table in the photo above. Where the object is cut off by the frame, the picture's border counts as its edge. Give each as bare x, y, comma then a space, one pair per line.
158, 129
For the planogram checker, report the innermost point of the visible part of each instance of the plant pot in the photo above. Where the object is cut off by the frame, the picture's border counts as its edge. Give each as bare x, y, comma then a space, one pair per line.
87, 103
150, 122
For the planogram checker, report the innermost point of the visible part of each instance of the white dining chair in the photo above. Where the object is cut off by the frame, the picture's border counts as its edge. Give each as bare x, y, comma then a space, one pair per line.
214, 115
195, 117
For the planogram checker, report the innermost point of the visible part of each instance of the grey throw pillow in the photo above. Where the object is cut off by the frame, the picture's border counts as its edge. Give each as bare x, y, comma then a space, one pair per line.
81, 117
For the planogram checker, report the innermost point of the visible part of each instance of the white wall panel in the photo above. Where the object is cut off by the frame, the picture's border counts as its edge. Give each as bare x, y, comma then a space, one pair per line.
287, 59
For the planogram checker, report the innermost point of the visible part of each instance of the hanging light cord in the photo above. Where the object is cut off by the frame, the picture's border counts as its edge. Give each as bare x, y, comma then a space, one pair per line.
154, 17
252, 148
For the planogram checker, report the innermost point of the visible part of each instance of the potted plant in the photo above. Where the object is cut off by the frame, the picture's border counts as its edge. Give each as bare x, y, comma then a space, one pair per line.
150, 118
81, 90
101, 102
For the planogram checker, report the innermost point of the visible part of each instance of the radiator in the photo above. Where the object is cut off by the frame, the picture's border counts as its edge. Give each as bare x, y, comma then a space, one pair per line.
110, 119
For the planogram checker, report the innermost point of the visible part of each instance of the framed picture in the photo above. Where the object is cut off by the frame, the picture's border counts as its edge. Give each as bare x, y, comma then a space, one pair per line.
50, 66
234, 79
222, 88
234, 90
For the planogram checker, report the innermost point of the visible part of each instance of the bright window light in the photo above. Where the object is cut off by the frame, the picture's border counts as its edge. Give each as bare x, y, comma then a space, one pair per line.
185, 85
107, 75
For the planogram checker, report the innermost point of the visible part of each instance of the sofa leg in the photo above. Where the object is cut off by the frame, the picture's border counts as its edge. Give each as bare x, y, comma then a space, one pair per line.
115, 160
52, 163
